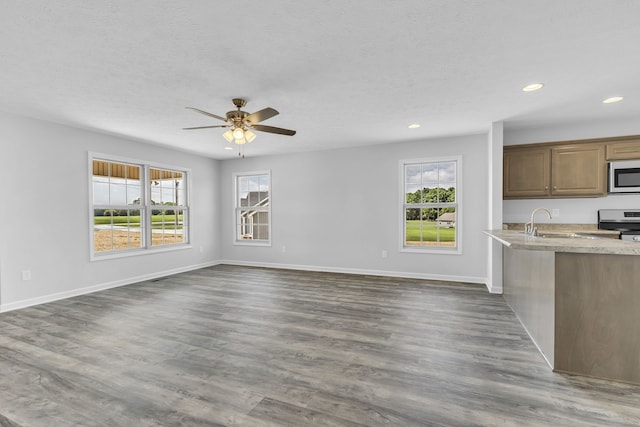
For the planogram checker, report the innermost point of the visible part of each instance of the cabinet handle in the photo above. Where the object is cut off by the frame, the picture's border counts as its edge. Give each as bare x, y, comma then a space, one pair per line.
546, 187
555, 187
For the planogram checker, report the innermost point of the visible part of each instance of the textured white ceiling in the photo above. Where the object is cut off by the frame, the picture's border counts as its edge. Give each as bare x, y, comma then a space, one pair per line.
342, 73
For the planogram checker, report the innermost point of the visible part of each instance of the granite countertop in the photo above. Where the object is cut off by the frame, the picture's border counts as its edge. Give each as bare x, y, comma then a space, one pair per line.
516, 239
563, 228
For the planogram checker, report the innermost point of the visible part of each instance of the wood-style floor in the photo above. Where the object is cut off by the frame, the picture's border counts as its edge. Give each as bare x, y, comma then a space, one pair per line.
239, 346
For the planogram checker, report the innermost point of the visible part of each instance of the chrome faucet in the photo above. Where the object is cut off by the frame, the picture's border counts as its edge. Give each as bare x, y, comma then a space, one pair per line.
530, 227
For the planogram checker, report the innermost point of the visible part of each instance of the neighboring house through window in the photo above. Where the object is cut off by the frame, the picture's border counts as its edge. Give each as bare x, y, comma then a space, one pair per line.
431, 205
136, 207
253, 208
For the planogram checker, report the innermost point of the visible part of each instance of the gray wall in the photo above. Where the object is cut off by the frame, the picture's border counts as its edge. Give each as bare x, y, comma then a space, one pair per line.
338, 210
45, 208
332, 210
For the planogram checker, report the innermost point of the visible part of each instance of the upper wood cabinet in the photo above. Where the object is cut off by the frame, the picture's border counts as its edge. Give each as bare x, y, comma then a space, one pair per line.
628, 149
579, 170
555, 170
526, 172
564, 169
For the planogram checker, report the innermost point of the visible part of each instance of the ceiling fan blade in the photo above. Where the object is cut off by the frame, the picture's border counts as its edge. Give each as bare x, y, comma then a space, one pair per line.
261, 115
271, 129
207, 114
206, 127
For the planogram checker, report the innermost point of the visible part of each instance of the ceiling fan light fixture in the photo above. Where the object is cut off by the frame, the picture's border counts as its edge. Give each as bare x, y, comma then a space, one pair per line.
228, 135
238, 133
249, 136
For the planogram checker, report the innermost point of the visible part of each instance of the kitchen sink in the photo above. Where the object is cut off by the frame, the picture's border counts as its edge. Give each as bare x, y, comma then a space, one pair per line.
567, 235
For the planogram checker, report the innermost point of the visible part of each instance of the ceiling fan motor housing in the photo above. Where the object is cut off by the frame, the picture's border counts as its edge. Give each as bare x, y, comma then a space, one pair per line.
236, 117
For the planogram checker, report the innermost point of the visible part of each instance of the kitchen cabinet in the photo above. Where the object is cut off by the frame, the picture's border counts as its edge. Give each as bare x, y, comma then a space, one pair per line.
578, 170
555, 170
526, 172
628, 149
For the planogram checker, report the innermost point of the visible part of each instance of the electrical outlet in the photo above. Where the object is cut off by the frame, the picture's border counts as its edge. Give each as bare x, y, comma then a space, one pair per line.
284, 249
555, 213
201, 249
384, 254
26, 275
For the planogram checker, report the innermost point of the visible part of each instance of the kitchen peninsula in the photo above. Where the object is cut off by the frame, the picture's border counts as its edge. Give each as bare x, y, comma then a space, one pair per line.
578, 297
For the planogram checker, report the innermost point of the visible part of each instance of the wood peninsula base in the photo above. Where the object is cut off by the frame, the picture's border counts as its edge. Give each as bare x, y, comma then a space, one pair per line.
581, 309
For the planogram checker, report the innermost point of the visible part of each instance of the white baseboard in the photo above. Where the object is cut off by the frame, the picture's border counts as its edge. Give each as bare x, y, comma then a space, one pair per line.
99, 287
366, 272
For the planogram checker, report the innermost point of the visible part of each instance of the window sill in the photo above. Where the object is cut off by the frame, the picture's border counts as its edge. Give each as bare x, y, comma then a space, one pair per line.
137, 252
252, 243
428, 250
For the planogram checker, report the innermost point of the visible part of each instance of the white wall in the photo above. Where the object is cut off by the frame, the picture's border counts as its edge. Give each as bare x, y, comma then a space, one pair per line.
572, 211
44, 213
495, 143
338, 210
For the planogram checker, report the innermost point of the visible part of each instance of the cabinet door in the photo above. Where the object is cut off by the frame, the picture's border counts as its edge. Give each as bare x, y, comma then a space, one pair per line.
526, 172
624, 150
578, 170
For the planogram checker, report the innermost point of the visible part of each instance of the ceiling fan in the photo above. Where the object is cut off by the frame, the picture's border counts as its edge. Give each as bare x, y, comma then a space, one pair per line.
240, 123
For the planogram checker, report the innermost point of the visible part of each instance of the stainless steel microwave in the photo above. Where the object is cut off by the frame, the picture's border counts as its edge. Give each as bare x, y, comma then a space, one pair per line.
624, 176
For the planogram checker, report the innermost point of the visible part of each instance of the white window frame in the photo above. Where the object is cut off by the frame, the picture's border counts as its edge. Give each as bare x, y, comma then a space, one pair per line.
237, 209
145, 208
442, 250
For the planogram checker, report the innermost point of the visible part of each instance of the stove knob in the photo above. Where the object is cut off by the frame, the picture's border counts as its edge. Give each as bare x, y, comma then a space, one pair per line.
636, 238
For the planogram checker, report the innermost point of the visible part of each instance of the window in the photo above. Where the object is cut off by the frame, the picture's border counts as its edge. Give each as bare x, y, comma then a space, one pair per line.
253, 208
430, 205
136, 207
168, 206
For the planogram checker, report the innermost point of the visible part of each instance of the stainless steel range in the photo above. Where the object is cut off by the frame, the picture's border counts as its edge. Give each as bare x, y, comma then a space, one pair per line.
626, 221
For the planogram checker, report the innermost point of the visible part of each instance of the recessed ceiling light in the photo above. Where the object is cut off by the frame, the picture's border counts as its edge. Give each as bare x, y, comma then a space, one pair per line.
414, 126
612, 100
228, 148
532, 87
